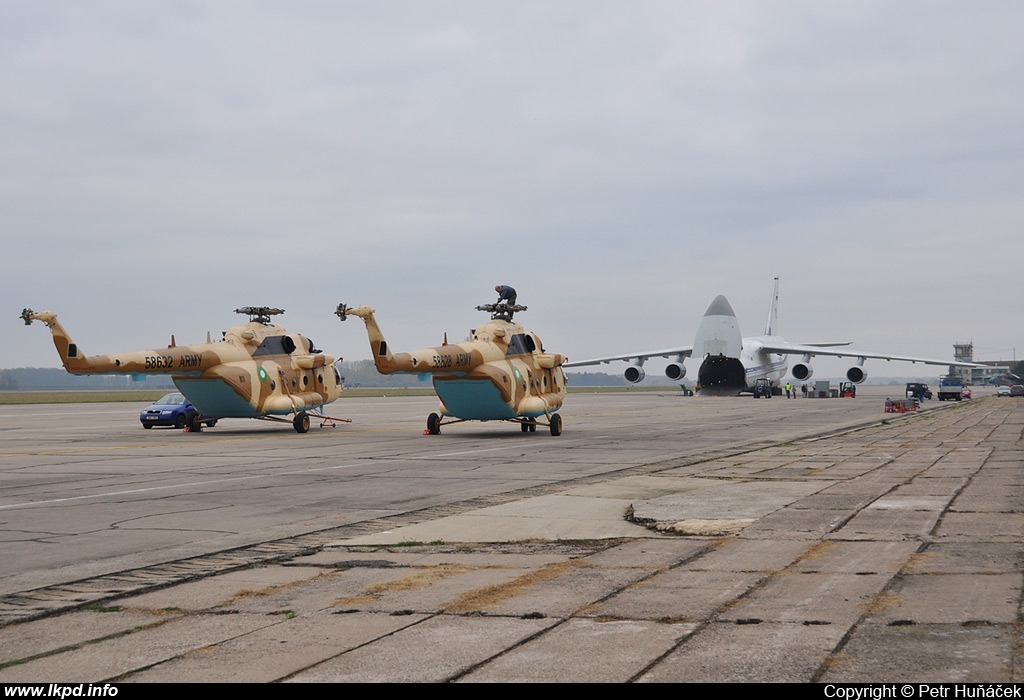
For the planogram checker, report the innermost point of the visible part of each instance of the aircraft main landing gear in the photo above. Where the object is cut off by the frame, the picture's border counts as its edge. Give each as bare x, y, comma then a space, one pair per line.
301, 422
556, 425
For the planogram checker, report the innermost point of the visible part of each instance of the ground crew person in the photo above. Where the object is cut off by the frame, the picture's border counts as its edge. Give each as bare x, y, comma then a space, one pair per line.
505, 293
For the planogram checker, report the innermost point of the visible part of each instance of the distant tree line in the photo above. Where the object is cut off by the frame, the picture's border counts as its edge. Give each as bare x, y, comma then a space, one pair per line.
52, 378
363, 373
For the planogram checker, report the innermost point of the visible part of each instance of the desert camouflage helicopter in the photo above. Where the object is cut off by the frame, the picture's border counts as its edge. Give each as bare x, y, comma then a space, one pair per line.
501, 373
258, 370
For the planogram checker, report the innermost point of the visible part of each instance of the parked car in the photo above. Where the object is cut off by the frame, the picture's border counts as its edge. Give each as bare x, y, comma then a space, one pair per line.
915, 389
1017, 390
172, 409
1002, 390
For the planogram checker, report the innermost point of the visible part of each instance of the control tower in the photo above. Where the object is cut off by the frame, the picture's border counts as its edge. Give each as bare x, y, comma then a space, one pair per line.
962, 352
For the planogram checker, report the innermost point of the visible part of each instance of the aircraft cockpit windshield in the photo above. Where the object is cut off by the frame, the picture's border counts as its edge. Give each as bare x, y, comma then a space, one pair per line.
521, 344
275, 345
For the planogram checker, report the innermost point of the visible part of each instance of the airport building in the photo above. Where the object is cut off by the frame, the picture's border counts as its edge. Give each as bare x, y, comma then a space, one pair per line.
992, 372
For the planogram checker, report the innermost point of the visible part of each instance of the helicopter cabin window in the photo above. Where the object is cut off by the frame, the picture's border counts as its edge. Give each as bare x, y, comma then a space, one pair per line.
520, 344
275, 345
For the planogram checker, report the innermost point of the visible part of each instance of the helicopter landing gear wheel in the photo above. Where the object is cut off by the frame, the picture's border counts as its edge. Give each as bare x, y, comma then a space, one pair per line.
194, 424
556, 425
533, 425
301, 422
525, 427
433, 424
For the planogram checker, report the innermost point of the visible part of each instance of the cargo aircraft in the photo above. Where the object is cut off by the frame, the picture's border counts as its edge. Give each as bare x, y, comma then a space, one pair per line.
731, 364
258, 370
502, 372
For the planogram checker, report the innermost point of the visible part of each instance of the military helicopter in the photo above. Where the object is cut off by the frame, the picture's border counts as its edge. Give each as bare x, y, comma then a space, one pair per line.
500, 373
258, 370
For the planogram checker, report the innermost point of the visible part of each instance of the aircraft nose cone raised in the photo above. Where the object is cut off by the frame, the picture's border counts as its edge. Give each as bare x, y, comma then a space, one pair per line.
718, 334
720, 307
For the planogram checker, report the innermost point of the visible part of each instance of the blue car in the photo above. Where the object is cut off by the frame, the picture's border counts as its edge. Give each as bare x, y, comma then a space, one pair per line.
174, 410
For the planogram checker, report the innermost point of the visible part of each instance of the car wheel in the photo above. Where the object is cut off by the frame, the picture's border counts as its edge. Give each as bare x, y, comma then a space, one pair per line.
147, 426
181, 421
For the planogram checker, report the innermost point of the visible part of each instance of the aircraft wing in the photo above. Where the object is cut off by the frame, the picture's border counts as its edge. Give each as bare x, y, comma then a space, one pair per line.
684, 351
784, 348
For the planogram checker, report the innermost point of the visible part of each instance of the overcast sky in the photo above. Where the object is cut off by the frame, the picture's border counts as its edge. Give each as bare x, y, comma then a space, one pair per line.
619, 163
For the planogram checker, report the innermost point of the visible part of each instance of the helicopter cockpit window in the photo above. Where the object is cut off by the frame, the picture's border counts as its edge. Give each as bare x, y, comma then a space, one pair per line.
312, 348
275, 345
520, 344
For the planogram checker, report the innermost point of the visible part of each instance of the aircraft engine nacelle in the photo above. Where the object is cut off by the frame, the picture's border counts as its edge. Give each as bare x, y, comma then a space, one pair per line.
634, 374
856, 374
675, 371
802, 371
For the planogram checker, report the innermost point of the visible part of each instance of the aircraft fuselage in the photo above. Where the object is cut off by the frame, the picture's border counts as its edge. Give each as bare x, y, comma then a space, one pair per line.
500, 373
258, 369
724, 375
731, 363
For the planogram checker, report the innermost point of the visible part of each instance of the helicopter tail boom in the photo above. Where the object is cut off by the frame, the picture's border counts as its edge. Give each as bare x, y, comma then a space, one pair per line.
175, 359
383, 358
70, 354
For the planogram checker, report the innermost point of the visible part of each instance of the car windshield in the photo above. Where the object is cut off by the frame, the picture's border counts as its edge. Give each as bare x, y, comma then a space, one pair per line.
171, 400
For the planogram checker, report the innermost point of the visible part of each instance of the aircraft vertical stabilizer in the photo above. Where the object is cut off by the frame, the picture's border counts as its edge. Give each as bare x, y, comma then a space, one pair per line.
773, 311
